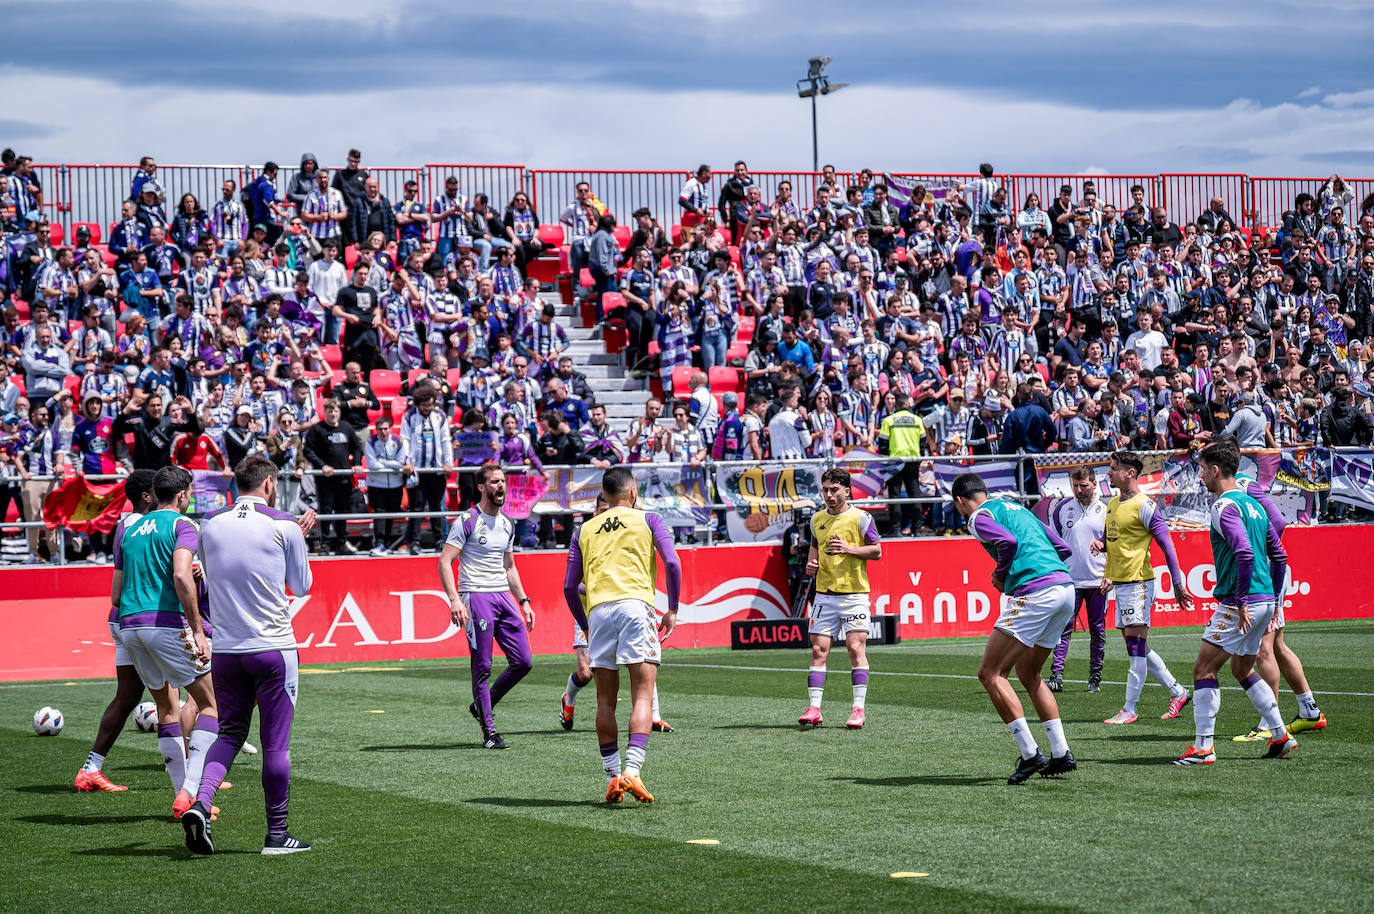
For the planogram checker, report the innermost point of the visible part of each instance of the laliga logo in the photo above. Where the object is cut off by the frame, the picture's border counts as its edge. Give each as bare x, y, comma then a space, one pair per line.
735, 596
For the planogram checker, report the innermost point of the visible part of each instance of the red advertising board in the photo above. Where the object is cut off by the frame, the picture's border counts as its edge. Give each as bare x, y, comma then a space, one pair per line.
394, 609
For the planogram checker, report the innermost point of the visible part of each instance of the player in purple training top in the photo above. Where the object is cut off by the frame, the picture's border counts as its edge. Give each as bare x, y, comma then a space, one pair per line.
484, 600
251, 554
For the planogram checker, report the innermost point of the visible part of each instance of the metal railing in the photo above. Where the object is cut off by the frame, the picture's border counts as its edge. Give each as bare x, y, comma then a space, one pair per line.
1024, 463
93, 192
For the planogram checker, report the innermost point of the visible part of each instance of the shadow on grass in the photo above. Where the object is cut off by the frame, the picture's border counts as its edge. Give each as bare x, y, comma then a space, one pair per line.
169, 852
53, 818
420, 747
926, 780
1150, 760
525, 802
1132, 738
44, 788
798, 727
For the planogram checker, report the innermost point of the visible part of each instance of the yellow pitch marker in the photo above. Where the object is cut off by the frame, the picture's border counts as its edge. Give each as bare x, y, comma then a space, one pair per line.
909, 875
703, 841
374, 712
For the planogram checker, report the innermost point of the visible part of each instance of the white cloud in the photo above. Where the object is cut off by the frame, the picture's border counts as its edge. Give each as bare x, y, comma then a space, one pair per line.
572, 126
1310, 91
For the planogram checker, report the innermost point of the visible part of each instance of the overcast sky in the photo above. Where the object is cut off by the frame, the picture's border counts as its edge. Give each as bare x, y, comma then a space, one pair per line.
1271, 88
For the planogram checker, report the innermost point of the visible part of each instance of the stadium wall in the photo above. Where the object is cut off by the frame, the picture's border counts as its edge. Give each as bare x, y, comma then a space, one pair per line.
359, 611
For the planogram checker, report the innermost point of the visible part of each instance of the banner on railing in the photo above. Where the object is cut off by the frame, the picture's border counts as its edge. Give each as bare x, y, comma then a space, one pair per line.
523, 490
1352, 478
209, 492
679, 495
762, 498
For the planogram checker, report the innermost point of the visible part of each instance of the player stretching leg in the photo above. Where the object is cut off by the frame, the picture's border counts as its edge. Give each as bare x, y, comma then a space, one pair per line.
160, 626
1080, 521
1250, 566
614, 557
138, 488
1132, 522
1039, 603
1275, 656
251, 553
840, 609
581, 676
482, 541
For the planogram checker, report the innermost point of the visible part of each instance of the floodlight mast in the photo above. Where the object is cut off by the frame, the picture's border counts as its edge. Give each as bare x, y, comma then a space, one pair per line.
812, 84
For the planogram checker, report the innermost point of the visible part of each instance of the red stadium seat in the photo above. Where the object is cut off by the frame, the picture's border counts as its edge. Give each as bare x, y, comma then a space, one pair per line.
734, 254
92, 227
113, 226
105, 255
654, 348
385, 383
55, 233
398, 409
454, 375
725, 233
551, 236
723, 380
615, 336
73, 383
544, 269
623, 235
350, 257
584, 278
682, 374
414, 375
333, 355
18, 379
744, 330
738, 351
610, 301
588, 313
677, 234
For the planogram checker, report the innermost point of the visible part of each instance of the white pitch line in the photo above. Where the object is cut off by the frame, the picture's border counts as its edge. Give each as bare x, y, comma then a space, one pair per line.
871, 672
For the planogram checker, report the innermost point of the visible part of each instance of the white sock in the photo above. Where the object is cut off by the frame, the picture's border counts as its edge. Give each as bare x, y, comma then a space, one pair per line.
813, 693
861, 689
201, 741
95, 759
634, 760
1135, 683
655, 712
1262, 697
1054, 729
1025, 740
1161, 673
1206, 704
610, 761
1307, 707
573, 688
172, 759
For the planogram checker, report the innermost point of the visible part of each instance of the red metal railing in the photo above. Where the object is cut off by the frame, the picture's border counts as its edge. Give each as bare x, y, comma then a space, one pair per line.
94, 192
1186, 196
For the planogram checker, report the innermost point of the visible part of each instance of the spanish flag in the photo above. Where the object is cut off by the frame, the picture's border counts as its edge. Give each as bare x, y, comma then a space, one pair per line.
84, 507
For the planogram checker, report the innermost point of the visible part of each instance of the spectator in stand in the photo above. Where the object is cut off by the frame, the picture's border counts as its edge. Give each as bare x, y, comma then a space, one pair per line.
573, 411
355, 399
602, 251
266, 210
359, 307
522, 230
334, 450
412, 221
46, 364
351, 181
372, 212
601, 446
430, 448
695, 199
303, 182
322, 208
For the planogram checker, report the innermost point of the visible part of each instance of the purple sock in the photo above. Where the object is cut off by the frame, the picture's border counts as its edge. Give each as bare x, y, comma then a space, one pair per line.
639, 740
815, 679
859, 676
276, 787
169, 730
1136, 647
1250, 680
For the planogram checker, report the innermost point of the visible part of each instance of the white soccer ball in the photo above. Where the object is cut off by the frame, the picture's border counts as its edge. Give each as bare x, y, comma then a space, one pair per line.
47, 721
145, 717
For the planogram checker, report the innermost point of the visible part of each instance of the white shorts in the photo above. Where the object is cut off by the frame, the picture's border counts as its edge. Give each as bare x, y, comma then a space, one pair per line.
1223, 632
838, 614
579, 638
1134, 600
623, 632
162, 655
121, 652
1038, 619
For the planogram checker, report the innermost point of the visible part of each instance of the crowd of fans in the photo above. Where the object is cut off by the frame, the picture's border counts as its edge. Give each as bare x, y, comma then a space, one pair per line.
334, 330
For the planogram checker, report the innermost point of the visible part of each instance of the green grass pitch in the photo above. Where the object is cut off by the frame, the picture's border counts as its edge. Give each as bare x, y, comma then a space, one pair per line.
407, 812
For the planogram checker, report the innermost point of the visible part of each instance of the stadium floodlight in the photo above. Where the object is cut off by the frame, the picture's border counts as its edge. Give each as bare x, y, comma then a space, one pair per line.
809, 86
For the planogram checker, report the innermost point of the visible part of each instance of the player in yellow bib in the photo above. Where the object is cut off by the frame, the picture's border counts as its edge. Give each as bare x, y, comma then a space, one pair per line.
843, 541
614, 554
1132, 524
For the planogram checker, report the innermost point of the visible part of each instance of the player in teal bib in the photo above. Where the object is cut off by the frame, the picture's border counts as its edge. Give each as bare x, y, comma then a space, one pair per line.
148, 596
1248, 561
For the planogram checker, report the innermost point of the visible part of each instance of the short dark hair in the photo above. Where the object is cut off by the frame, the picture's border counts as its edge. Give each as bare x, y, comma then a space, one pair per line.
1130, 460
169, 482
1081, 472
985, 170
138, 484
1222, 454
616, 481
837, 475
252, 472
486, 470
967, 485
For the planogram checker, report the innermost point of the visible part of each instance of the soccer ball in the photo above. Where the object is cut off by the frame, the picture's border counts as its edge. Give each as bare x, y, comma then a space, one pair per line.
145, 717
47, 721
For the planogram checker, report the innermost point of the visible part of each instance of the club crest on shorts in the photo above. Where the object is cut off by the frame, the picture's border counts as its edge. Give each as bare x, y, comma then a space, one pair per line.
482, 624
